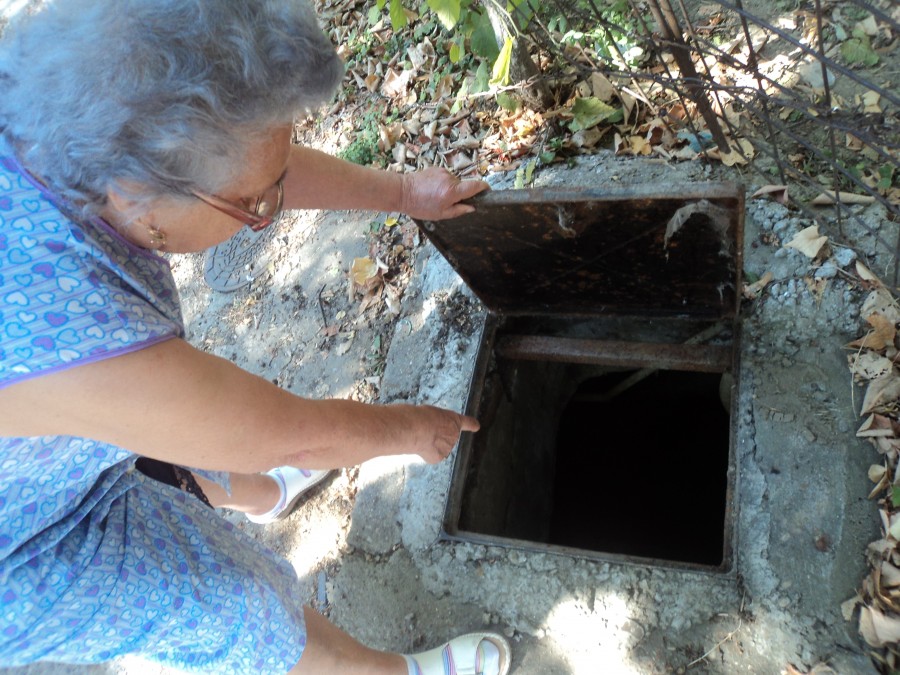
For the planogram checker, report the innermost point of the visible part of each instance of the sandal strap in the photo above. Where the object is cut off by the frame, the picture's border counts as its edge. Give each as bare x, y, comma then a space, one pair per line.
459, 656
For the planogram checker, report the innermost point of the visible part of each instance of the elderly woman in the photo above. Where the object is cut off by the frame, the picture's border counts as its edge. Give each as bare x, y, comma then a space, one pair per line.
129, 127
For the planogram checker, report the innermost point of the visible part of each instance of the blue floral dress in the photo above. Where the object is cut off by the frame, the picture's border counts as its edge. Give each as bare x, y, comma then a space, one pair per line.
96, 559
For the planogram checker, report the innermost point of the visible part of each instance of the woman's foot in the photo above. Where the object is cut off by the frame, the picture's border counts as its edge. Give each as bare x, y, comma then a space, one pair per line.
292, 484
476, 653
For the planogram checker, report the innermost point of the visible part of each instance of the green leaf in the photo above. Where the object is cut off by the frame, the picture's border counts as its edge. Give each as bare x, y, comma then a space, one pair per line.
547, 157
508, 102
483, 42
521, 12
858, 50
529, 171
895, 495
590, 111
398, 15
455, 53
446, 10
500, 71
374, 15
520, 179
380, 3
885, 177
482, 78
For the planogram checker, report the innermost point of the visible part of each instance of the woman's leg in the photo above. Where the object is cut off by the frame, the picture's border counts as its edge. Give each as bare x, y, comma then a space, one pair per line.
331, 650
253, 493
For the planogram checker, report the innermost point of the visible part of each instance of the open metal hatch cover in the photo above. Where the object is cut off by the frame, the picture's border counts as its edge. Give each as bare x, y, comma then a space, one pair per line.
630, 250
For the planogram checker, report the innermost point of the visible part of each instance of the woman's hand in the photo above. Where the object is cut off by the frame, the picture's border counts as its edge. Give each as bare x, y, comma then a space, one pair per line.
441, 431
435, 194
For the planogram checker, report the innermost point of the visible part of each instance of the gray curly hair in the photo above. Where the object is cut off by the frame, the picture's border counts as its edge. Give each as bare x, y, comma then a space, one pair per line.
165, 94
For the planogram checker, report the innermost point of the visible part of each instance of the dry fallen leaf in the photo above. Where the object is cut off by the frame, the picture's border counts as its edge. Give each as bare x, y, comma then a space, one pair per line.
875, 425
890, 575
809, 242
396, 83
363, 271
828, 197
885, 331
601, 87
880, 301
869, 365
877, 472
877, 628
741, 151
778, 192
848, 606
816, 287
752, 291
882, 394
866, 275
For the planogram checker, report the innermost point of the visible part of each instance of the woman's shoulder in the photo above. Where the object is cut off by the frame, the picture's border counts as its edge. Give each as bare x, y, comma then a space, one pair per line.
71, 291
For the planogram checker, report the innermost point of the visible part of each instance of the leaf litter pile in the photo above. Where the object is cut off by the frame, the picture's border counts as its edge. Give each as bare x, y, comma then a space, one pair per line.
873, 363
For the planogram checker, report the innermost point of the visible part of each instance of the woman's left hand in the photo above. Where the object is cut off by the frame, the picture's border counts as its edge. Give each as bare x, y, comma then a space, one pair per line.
436, 194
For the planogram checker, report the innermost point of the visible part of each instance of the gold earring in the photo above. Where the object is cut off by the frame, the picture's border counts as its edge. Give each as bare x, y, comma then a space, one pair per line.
157, 237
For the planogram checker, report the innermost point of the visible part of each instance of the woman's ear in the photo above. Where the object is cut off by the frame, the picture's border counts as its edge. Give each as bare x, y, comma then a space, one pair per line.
124, 203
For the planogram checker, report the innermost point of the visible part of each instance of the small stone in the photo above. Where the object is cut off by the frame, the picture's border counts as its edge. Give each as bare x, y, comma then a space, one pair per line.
827, 271
808, 435
781, 253
516, 557
784, 603
844, 256
509, 631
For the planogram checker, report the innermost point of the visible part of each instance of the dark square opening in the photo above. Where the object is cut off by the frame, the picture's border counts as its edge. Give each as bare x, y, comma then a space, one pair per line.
600, 460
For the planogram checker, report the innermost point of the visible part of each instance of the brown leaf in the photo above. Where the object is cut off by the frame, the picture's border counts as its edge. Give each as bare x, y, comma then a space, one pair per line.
890, 575
816, 287
588, 138
866, 275
877, 628
752, 291
602, 88
396, 83
868, 365
809, 242
778, 192
880, 301
827, 198
363, 270
874, 426
883, 336
881, 394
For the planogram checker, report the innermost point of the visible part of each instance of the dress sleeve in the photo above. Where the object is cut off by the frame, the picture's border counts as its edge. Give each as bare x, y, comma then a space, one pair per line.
72, 293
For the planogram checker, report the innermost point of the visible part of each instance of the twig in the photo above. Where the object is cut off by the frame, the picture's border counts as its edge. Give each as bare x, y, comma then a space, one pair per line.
724, 639
322, 308
718, 644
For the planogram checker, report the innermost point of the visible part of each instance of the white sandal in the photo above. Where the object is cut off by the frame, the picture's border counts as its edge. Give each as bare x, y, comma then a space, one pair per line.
294, 483
470, 654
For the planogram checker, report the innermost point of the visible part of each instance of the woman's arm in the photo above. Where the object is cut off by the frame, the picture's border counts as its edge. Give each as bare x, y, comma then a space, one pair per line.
316, 180
175, 403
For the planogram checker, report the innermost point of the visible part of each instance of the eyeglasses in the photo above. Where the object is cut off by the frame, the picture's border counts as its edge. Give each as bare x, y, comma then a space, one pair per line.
258, 216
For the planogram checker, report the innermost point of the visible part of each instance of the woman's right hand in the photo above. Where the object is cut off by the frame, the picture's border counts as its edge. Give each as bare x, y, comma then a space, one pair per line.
444, 428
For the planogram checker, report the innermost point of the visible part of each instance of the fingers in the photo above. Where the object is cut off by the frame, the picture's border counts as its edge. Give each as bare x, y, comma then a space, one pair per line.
446, 431
466, 189
469, 423
435, 194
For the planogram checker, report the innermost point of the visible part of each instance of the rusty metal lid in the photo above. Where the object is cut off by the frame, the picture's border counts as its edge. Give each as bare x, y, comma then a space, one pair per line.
628, 250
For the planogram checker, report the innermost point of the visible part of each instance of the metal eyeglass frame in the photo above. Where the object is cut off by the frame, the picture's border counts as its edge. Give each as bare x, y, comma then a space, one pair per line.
257, 219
